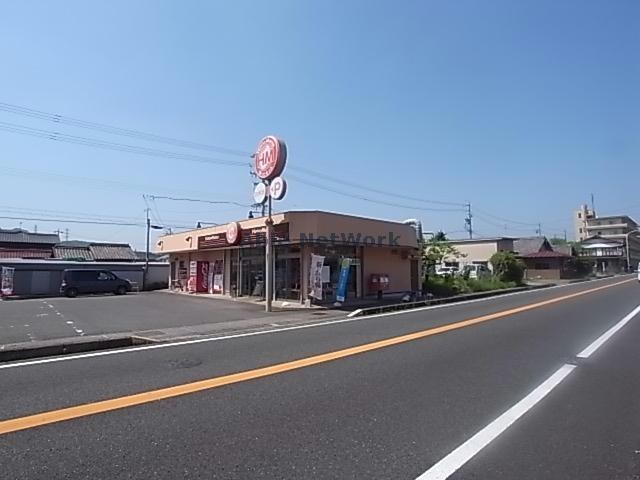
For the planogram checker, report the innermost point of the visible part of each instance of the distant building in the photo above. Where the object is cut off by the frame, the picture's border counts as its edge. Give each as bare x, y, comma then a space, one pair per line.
580, 219
18, 243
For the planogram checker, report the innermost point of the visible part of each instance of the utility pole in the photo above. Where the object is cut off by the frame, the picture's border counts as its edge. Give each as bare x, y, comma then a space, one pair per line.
539, 231
593, 205
146, 253
66, 234
468, 222
565, 235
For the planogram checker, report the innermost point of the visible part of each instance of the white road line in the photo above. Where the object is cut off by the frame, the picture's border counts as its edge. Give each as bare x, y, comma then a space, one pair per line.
587, 352
180, 343
465, 452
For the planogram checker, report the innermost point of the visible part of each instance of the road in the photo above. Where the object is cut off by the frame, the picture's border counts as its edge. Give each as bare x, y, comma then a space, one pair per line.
419, 394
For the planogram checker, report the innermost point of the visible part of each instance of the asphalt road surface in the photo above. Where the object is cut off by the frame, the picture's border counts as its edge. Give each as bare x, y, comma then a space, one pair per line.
539, 385
60, 317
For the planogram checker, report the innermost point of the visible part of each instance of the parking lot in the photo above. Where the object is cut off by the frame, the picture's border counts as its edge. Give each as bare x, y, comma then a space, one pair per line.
53, 318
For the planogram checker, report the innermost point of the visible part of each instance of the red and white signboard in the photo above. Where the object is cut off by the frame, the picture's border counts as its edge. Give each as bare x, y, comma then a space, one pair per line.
278, 188
270, 158
233, 233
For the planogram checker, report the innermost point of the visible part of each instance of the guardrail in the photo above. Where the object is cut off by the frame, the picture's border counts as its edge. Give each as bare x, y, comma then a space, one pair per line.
439, 301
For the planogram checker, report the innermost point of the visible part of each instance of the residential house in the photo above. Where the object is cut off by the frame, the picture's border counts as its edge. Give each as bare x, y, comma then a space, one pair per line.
610, 233
542, 261
18, 243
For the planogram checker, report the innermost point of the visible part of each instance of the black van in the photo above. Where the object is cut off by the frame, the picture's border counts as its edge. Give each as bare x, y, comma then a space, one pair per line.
92, 281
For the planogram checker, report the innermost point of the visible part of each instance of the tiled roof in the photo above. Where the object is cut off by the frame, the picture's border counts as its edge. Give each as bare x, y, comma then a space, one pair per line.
112, 252
25, 253
545, 254
94, 251
65, 252
526, 245
17, 235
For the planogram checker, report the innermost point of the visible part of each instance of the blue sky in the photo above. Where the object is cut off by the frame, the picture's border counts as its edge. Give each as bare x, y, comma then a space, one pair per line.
521, 108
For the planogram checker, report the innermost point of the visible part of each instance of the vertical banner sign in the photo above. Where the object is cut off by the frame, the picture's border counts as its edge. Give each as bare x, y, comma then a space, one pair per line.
7, 281
341, 291
315, 276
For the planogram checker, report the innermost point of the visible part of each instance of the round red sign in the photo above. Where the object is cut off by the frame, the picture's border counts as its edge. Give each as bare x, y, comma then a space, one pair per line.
270, 158
233, 233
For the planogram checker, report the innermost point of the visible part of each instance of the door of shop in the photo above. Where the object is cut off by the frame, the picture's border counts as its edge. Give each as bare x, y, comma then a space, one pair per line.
252, 277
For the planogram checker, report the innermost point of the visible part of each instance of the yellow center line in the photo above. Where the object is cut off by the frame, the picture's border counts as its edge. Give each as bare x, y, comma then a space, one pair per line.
69, 413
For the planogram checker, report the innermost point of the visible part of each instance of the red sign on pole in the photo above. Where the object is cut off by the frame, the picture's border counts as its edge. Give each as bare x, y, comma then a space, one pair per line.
270, 158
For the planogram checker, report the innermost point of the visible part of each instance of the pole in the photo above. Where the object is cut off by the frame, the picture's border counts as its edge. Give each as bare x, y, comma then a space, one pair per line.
628, 254
468, 221
268, 270
146, 253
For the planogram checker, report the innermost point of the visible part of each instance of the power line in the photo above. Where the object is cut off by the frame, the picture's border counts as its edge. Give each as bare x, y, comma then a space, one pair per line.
198, 200
75, 122
60, 119
366, 199
370, 189
97, 143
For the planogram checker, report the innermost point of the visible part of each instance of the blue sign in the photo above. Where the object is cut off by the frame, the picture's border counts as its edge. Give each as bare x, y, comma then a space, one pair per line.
341, 291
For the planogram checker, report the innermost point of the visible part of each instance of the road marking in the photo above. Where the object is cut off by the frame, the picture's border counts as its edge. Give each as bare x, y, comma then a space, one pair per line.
180, 343
465, 452
597, 343
53, 416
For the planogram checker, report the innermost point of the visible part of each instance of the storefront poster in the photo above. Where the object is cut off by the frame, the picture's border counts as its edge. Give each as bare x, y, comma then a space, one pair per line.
315, 276
341, 291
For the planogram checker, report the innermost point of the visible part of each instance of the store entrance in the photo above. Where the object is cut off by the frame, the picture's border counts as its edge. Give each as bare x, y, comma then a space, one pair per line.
252, 276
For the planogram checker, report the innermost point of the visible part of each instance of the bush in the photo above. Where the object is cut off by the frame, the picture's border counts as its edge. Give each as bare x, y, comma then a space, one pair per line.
449, 286
507, 267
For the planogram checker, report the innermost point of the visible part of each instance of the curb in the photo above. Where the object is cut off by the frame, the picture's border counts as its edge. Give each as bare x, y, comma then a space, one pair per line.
440, 301
62, 346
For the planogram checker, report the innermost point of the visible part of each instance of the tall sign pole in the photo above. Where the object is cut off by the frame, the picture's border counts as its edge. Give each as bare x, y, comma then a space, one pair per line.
268, 162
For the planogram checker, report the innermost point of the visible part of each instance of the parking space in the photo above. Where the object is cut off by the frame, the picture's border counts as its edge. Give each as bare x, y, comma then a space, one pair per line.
52, 318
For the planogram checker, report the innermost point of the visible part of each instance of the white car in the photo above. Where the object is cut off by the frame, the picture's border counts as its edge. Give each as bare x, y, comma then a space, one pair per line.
477, 271
443, 270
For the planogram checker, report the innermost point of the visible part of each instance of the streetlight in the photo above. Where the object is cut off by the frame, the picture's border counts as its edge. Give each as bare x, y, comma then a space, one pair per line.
146, 255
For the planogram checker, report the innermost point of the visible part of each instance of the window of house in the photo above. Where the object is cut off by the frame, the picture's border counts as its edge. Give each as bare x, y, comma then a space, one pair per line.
580, 230
579, 215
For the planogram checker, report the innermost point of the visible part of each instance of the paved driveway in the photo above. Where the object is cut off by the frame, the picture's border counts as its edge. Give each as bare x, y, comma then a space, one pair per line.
50, 318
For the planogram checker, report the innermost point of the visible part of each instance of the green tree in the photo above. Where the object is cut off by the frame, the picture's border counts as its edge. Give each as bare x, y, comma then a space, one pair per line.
507, 267
440, 236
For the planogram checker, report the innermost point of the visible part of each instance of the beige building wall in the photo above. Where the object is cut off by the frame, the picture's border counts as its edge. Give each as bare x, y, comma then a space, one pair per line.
480, 251
382, 260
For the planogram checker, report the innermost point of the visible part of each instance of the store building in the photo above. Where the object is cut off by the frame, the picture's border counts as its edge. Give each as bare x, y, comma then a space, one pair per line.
230, 259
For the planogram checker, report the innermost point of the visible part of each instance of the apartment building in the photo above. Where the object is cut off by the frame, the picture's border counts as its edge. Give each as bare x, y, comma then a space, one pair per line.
580, 219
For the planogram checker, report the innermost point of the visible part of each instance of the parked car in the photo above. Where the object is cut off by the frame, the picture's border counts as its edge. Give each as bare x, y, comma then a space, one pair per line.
76, 282
477, 271
443, 270
639, 272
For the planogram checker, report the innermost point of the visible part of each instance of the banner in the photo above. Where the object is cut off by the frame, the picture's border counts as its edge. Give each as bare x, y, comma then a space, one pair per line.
341, 291
315, 276
7, 281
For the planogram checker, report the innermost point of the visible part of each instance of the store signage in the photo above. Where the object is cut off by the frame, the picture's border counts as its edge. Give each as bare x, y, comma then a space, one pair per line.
260, 193
233, 233
278, 188
270, 158
249, 236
